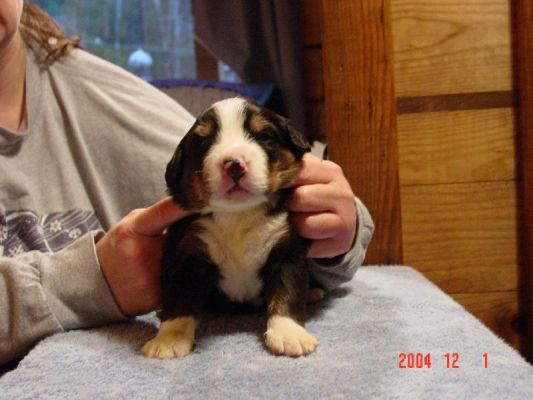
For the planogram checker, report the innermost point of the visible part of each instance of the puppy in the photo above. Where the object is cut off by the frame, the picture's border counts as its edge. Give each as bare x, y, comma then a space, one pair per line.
236, 167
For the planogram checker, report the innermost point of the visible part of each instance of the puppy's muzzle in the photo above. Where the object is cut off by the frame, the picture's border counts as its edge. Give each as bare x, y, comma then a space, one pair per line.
235, 168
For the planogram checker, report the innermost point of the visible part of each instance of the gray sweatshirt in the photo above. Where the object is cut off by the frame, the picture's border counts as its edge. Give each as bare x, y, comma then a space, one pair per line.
94, 146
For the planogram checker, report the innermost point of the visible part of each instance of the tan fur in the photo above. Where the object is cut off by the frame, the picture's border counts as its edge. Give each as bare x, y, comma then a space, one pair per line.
239, 243
258, 123
282, 177
205, 128
198, 192
174, 339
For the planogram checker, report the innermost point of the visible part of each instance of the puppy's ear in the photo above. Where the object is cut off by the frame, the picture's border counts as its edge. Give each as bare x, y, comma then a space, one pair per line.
174, 175
299, 143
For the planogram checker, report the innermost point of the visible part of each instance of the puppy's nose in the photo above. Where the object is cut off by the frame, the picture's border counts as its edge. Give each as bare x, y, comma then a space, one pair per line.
235, 168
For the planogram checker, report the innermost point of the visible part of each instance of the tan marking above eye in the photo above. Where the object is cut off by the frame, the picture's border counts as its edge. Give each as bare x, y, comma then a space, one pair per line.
258, 123
204, 128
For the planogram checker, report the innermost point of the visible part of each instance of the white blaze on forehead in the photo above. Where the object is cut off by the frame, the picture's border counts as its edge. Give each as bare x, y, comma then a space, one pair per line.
231, 113
233, 141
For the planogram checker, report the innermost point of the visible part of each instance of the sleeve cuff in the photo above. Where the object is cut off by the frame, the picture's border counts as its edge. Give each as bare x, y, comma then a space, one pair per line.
75, 287
332, 272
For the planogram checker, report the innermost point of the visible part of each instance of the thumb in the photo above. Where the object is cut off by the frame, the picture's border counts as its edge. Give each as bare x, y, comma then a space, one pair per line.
152, 221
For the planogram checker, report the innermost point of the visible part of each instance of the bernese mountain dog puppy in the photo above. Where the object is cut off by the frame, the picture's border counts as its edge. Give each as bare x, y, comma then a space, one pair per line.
235, 167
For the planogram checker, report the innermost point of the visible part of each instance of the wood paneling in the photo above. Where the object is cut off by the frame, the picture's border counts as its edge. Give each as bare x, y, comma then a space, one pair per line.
499, 311
206, 63
524, 40
316, 121
457, 101
451, 46
459, 146
361, 113
462, 236
312, 18
314, 84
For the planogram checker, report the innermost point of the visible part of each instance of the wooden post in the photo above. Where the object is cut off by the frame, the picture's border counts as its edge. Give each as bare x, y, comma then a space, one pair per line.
361, 113
206, 63
523, 24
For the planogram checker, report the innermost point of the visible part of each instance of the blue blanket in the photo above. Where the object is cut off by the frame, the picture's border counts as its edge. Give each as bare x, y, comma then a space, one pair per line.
363, 329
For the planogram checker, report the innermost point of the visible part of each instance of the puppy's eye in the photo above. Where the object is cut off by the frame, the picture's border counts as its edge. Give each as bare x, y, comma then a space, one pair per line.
205, 143
263, 136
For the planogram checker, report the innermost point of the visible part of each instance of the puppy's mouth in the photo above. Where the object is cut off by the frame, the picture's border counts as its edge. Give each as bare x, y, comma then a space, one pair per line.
237, 193
237, 196
237, 190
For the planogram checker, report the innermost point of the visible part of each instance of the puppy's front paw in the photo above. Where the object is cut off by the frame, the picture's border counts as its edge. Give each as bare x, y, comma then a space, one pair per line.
284, 336
167, 347
174, 339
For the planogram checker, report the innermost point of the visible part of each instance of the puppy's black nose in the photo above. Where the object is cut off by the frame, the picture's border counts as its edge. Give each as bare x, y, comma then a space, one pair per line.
234, 168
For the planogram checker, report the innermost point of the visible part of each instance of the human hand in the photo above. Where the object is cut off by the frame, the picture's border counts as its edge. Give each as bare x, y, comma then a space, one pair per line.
130, 256
324, 208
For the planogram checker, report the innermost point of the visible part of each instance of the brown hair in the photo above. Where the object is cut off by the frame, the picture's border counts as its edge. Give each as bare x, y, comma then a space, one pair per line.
43, 34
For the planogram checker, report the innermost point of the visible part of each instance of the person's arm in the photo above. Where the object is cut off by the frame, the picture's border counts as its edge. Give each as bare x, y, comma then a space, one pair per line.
97, 279
332, 272
46, 293
326, 211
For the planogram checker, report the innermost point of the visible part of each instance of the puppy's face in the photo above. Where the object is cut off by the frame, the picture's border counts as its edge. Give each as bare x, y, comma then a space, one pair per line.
236, 156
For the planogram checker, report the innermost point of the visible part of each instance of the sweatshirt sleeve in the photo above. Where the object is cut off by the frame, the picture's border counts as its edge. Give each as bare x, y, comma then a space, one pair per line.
46, 293
330, 273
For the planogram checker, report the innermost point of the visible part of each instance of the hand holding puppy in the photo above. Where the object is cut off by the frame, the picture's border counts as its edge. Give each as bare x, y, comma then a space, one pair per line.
130, 253
130, 256
324, 207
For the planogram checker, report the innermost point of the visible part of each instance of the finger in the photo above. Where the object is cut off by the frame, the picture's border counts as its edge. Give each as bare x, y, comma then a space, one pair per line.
152, 221
316, 170
318, 226
315, 198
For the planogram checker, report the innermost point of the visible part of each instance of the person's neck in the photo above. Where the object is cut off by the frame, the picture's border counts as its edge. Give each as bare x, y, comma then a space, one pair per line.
12, 77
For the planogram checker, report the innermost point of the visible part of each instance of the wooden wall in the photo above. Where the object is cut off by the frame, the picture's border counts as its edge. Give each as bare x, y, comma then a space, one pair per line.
453, 80
312, 33
453, 75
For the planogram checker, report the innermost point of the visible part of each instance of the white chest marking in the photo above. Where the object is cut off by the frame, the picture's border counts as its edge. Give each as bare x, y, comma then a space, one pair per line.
239, 243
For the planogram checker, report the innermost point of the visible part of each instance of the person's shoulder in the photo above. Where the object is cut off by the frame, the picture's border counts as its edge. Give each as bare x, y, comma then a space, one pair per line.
82, 65
85, 70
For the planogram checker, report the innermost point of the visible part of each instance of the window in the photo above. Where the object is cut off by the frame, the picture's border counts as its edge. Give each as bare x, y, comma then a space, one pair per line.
152, 38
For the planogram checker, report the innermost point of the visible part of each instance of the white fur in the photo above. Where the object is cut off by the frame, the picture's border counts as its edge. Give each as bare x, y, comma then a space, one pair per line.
285, 336
239, 243
232, 142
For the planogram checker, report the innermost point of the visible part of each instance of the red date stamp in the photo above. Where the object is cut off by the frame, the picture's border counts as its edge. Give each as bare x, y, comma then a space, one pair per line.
425, 360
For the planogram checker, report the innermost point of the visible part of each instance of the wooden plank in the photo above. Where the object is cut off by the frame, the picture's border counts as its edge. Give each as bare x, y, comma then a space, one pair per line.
462, 236
206, 63
523, 23
312, 17
316, 121
458, 101
313, 76
451, 46
458, 146
499, 311
361, 113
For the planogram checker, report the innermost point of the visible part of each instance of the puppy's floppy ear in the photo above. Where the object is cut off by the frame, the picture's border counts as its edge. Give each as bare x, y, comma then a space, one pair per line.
175, 172
299, 143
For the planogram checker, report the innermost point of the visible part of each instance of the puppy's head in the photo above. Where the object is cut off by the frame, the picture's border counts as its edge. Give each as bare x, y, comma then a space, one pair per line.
236, 156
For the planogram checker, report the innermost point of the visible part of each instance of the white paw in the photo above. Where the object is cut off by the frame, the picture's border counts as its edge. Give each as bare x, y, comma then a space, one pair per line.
174, 339
284, 336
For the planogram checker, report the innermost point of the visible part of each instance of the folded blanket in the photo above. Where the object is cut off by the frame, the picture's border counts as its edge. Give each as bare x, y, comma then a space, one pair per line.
363, 329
